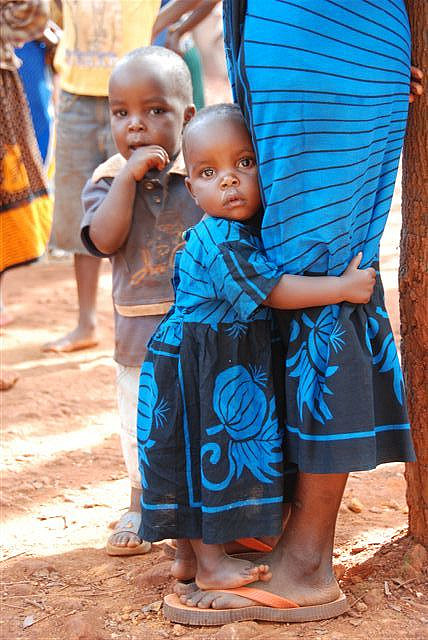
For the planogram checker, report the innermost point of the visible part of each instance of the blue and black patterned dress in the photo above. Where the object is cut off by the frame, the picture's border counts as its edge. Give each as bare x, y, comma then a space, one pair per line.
210, 446
324, 87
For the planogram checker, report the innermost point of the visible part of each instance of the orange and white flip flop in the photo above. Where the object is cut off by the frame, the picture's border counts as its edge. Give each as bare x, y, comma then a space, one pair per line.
268, 607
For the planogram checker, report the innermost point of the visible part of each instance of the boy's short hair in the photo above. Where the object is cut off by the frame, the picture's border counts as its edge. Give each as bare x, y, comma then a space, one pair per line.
225, 110
172, 63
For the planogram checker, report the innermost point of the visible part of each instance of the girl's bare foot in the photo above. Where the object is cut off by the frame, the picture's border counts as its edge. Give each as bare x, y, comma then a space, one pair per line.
229, 573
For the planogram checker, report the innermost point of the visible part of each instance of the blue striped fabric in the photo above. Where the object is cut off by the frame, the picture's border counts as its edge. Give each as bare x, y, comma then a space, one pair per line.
324, 86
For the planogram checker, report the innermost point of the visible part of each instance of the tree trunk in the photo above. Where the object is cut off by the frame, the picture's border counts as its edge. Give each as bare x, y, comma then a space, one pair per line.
413, 280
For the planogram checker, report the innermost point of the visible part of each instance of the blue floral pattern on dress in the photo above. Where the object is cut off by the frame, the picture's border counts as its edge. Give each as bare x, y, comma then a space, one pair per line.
248, 416
151, 411
310, 363
386, 358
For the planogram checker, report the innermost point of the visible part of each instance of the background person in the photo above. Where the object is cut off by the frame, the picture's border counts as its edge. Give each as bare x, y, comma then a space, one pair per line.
96, 33
25, 207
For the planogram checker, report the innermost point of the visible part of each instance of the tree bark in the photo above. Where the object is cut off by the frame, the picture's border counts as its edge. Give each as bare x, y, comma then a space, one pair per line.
413, 280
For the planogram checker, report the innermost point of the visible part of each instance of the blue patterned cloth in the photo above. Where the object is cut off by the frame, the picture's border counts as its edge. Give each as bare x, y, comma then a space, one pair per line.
210, 446
37, 84
324, 86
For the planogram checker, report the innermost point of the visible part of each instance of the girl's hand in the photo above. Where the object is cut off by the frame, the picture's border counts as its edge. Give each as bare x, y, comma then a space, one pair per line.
144, 158
416, 86
358, 284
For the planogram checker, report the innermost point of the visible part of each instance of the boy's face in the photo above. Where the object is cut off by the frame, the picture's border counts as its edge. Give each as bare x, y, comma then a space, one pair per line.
222, 168
145, 108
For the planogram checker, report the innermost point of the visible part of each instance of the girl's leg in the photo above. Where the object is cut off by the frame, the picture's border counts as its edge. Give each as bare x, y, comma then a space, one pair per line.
302, 561
217, 570
184, 566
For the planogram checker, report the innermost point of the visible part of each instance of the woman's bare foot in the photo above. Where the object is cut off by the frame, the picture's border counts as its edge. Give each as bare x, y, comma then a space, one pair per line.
80, 338
185, 565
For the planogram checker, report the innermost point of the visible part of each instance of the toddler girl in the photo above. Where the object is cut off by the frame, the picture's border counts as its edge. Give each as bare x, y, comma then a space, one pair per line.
210, 442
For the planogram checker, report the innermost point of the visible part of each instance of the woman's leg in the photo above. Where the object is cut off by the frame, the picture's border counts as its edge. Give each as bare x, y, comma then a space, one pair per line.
301, 563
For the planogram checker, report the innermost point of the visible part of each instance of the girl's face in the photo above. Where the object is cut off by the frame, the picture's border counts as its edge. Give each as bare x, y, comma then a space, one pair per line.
222, 168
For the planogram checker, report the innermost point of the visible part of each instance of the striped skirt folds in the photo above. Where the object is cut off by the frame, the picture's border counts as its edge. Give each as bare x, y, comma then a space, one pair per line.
324, 88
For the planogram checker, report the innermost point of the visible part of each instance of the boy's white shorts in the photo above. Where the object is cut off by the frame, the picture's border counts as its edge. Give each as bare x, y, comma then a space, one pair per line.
127, 383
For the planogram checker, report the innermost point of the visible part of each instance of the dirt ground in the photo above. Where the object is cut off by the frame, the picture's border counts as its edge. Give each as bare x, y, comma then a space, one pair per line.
64, 482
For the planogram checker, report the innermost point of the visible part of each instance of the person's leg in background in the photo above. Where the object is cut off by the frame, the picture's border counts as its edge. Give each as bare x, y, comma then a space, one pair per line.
83, 142
126, 540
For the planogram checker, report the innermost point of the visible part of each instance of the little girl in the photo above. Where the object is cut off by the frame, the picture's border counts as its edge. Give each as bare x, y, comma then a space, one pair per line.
210, 442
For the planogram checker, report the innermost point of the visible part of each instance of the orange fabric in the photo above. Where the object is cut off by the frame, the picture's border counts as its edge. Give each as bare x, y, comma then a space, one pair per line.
262, 597
254, 544
25, 232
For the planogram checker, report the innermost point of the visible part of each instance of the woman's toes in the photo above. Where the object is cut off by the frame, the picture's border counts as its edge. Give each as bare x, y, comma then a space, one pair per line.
182, 589
200, 598
230, 602
206, 600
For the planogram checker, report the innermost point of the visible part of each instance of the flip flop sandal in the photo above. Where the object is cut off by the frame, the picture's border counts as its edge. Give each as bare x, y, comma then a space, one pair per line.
251, 544
269, 607
128, 523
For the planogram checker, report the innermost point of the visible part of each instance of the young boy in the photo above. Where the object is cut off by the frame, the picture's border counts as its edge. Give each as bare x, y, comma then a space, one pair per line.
136, 208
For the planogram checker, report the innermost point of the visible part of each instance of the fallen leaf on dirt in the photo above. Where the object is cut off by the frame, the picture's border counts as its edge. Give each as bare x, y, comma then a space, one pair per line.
153, 606
95, 504
356, 550
29, 620
8, 380
355, 505
386, 588
355, 622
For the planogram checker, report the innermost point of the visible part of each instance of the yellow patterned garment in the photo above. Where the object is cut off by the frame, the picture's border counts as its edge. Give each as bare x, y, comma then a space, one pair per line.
25, 205
96, 34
